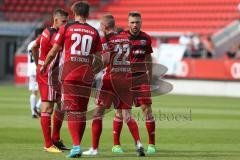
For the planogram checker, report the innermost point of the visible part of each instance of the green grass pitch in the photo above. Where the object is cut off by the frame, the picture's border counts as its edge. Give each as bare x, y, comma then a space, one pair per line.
187, 128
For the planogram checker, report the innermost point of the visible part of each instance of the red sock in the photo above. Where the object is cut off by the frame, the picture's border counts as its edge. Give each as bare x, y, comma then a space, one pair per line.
46, 128
76, 126
96, 132
57, 124
117, 128
132, 125
82, 128
150, 125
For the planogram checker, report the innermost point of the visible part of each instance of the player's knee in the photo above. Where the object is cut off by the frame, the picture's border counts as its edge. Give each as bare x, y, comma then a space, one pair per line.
59, 106
118, 114
34, 92
126, 117
47, 107
147, 110
149, 116
98, 113
33, 95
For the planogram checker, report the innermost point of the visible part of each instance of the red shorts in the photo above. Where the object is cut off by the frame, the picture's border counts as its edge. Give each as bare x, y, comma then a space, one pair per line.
75, 95
141, 90
120, 96
50, 89
49, 84
49, 93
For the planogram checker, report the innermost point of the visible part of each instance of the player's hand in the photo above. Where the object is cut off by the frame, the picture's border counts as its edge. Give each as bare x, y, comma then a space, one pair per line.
43, 69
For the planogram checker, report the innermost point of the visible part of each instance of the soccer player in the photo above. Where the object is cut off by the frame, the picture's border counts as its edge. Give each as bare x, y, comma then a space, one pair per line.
33, 86
81, 45
115, 87
142, 73
48, 85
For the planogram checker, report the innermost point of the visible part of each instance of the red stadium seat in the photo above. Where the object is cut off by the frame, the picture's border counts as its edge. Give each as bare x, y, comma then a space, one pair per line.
200, 16
26, 8
54, 2
2, 8
49, 9
91, 2
22, 2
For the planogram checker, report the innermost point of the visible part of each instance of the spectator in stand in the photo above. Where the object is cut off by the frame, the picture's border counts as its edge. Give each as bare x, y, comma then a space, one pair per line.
208, 47
234, 52
196, 41
196, 46
185, 40
238, 52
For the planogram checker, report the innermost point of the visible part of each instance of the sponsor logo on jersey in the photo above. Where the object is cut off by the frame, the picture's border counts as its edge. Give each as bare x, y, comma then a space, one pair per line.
143, 42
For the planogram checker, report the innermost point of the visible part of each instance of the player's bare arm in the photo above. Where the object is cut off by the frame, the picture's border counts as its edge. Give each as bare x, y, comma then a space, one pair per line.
51, 55
149, 65
98, 63
106, 58
34, 49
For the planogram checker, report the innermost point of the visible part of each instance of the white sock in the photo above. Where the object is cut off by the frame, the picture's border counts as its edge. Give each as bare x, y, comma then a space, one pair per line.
38, 105
32, 102
139, 144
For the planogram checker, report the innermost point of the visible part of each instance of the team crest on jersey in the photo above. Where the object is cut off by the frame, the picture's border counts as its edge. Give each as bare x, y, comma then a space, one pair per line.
143, 42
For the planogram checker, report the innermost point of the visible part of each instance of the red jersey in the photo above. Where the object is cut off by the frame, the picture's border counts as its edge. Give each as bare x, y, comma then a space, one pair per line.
45, 41
141, 45
119, 47
117, 77
80, 42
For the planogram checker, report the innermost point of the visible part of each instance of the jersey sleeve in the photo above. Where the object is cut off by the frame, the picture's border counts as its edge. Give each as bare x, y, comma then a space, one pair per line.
53, 39
59, 38
149, 49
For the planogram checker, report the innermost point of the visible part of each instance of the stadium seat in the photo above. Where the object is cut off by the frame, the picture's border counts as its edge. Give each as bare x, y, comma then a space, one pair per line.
28, 10
200, 16
91, 2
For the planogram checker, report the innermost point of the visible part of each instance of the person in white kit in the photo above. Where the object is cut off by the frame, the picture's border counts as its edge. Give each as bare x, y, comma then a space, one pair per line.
31, 73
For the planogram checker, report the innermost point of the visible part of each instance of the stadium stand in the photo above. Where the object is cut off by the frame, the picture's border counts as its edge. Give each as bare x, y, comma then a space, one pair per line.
165, 21
199, 16
31, 10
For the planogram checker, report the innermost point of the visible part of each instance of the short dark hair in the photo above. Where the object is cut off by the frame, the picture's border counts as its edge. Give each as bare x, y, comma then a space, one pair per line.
61, 12
39, 31
109, 20
81, 8
134, 14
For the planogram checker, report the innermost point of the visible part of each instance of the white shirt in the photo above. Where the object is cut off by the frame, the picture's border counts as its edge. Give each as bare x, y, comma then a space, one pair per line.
31, 64
184, 40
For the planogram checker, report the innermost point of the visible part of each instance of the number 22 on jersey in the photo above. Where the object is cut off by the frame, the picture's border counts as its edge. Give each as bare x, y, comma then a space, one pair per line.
122, 54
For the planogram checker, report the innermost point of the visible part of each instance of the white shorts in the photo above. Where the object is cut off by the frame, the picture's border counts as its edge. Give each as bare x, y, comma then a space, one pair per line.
33, 85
